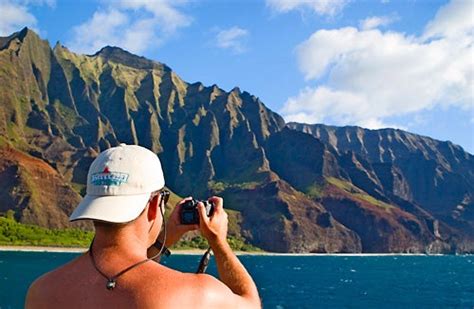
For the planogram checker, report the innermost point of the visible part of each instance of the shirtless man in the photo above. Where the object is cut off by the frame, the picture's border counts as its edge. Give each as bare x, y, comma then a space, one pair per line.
125, 200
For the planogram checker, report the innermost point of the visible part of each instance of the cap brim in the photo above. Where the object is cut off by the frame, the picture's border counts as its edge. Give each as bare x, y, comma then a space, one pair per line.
110, 208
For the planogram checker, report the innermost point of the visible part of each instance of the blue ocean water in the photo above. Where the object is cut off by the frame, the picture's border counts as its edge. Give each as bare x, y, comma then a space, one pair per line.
302, 281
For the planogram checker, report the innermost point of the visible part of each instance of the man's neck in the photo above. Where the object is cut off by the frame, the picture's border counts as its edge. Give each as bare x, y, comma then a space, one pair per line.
125, 244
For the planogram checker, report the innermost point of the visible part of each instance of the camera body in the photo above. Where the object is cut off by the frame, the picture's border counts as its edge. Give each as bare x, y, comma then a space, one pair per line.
189, 212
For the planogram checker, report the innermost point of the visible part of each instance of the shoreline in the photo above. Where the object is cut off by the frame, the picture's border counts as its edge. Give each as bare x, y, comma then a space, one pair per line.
201, 251
75, 249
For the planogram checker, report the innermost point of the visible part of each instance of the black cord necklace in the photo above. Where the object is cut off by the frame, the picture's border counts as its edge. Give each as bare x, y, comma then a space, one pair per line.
112, 281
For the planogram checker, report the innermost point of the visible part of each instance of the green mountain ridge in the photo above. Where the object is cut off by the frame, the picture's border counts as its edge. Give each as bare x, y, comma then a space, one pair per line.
294, 188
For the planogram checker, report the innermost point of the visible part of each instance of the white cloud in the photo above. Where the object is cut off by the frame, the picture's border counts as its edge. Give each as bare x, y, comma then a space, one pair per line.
232, 38
165, 14
320, 7
104, 28
135, 25
15, 15
452, 20
376, 22
366, 76
339, 106
374, 123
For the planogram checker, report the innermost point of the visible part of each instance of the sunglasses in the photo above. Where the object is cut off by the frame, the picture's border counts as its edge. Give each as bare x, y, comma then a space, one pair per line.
164, 196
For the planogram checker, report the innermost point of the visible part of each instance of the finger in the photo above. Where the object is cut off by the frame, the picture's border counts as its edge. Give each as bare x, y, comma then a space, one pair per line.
188, 227
193, 227
184, 200
184, 228
218, 203
177, 208
202, 213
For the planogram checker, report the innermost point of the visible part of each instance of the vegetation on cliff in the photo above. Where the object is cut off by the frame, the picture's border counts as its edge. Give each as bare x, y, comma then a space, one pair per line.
13, 233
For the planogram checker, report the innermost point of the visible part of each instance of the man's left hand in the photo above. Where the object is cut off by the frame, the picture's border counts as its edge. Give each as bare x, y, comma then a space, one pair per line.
174, 229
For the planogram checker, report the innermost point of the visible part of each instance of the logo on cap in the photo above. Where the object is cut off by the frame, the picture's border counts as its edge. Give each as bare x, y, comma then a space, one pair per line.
108, 178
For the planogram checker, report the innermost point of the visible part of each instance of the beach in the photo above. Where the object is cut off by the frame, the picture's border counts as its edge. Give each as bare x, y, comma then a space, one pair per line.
83, 249
76, 249
201, 251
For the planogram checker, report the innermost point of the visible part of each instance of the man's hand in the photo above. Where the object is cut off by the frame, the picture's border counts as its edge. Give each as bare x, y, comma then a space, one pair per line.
214, 229
174, 229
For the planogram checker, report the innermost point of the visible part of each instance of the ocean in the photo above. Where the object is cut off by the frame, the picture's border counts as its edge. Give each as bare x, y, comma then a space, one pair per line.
321, 281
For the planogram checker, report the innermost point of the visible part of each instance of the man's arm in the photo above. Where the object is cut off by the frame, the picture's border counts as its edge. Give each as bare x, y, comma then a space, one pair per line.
231, 272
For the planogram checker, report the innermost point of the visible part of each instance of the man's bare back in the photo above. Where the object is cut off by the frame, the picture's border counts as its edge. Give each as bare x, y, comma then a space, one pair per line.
151, 285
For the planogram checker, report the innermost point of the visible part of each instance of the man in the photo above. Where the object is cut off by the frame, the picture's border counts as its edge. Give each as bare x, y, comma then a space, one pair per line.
125, 200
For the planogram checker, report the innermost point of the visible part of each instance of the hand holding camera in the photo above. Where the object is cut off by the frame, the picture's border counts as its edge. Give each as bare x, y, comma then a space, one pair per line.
213, 228
189, 211
176, 229
187, 216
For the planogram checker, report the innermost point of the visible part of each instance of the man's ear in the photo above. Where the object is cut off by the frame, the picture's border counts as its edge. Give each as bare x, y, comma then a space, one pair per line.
153, 208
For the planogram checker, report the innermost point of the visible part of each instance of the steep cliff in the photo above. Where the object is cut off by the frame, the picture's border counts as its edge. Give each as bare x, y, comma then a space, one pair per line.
421, 175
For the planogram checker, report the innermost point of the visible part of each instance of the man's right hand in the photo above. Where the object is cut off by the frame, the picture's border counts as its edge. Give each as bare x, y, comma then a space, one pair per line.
213, 228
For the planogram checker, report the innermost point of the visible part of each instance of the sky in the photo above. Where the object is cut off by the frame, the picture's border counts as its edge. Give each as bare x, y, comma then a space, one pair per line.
375, 63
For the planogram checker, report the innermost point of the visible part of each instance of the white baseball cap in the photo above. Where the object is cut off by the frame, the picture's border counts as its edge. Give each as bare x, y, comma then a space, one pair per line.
119, 184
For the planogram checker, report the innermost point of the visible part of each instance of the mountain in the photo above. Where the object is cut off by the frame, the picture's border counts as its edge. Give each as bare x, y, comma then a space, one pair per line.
34, 190
400, 162
408, 170
289, 189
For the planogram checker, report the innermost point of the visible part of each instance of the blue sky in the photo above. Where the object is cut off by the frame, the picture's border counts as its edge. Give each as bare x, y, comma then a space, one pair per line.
405, 64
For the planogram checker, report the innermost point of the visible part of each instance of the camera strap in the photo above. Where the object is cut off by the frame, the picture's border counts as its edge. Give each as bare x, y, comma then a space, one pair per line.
204, 261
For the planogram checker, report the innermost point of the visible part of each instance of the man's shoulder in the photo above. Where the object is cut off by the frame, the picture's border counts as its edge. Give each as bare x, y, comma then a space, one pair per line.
48, 282
188, 289
181, 287
209, 292
174, 277
62, 270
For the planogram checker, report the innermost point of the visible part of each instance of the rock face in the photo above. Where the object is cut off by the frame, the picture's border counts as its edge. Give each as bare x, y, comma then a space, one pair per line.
431, 179
281, 219
34, 190
399, 162
298, 188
